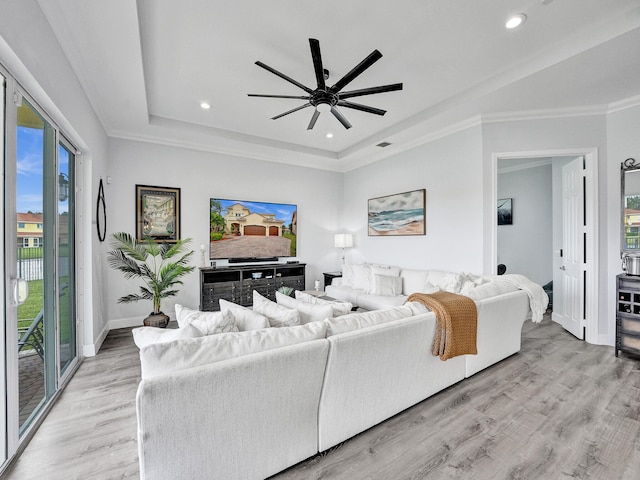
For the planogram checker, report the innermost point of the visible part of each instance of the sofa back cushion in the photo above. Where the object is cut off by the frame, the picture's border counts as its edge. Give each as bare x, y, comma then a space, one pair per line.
309, 312
162, 358
413, 280
490, 289
143, 336
355, 321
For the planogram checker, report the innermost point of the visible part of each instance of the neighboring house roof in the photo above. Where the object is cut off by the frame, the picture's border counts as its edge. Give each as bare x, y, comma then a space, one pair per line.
29, 217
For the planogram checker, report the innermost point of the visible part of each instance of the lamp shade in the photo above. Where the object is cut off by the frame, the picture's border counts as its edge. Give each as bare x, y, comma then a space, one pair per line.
343, 240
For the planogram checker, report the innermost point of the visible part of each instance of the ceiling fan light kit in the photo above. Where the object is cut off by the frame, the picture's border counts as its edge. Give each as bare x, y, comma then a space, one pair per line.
326, 99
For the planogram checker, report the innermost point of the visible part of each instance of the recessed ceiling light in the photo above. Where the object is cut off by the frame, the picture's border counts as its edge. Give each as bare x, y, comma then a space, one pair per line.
329, 135
516, 20
205, 106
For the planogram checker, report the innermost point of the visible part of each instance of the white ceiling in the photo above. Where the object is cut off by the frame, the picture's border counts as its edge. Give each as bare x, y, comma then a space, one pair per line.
146, 66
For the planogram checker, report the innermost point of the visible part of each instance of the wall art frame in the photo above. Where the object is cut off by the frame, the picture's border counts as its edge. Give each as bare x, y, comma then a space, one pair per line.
157, 213
400, 214
505, 211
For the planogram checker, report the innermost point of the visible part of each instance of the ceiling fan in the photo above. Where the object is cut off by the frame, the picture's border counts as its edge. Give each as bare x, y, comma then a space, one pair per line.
325, 98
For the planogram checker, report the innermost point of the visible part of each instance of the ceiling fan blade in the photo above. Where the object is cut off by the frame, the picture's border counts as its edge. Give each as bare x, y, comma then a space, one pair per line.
336, 113
371, 90
363, 108
372, 58
317, 62
278, 96
291, 111
314, 118
283, 76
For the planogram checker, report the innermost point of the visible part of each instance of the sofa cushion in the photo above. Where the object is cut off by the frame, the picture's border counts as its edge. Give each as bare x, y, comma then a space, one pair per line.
162, 358
387, 285
277, 315
355, 321
246, 319
413, 280
309, 312
491, 289
209, 323
451, 282
347, 276
362, 277
143, 336
339, 307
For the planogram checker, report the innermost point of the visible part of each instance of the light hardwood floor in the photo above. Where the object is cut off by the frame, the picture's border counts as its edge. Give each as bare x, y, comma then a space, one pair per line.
560, 408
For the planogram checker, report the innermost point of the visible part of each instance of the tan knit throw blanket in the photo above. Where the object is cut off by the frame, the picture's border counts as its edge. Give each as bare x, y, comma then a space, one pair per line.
456, 326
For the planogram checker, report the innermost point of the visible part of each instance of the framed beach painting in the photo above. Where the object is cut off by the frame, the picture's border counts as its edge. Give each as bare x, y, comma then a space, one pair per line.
398, 214
505, 211
157, 213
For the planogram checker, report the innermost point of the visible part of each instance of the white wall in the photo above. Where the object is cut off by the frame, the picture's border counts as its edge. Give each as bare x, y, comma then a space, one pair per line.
623, 138
526, 246
450, 169
29, 50
200, 176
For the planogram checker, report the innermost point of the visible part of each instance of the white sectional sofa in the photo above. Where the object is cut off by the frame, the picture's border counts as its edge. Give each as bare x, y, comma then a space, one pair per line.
246, 405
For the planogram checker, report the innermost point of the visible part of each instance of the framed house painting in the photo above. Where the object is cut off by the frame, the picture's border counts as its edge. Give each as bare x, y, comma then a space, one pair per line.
157, 213
398, 214
505, 211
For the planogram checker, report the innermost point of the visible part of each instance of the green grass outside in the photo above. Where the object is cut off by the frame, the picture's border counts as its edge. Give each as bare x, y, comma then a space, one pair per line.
34, 303
291, 237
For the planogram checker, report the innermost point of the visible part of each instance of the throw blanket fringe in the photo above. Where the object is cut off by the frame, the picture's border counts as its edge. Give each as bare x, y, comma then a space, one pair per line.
456, 323
538, 298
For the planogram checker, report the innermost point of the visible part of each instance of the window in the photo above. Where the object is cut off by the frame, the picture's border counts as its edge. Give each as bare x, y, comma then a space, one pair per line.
21, 225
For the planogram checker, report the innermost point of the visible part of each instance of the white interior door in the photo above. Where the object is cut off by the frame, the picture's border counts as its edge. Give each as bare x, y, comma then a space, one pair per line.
571, 316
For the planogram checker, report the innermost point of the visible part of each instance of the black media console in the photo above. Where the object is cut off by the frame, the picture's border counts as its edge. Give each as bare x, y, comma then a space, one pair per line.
236, 284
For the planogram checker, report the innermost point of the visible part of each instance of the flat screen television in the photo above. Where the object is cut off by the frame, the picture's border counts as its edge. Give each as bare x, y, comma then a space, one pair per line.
243, 230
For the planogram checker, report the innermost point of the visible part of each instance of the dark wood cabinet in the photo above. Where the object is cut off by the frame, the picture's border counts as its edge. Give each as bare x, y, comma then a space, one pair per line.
236, 284
628, 314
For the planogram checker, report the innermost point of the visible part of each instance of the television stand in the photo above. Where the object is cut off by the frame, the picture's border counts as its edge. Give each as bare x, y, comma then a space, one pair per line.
237, 284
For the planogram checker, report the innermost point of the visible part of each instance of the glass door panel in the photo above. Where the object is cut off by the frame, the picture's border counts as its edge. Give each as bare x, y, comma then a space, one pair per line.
30, 155
65, 274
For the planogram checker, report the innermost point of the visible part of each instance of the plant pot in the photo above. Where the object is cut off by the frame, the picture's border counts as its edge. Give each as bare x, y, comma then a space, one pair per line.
159, 320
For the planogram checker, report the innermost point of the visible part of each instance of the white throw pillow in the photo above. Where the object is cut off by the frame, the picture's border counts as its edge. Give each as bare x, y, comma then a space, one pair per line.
339, 307
386, 285
347, 276
451, 282
428, 288
413, 280
277, 315
163, 358
308, 312
246, 319
382, 270
143, 336
471, 281
355, 321
209, 323
362, 277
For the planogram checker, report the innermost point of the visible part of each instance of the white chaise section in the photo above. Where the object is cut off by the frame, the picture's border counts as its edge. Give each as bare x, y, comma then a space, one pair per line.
499, 333
376, 372
246, 418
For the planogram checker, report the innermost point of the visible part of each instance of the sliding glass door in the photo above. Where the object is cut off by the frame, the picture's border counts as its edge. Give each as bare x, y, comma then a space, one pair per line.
39, 339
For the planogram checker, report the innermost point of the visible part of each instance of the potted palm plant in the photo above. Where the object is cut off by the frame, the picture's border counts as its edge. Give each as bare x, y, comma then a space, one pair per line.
160, 265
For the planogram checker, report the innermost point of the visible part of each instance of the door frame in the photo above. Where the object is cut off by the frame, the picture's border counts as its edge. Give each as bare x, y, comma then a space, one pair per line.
591, 289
